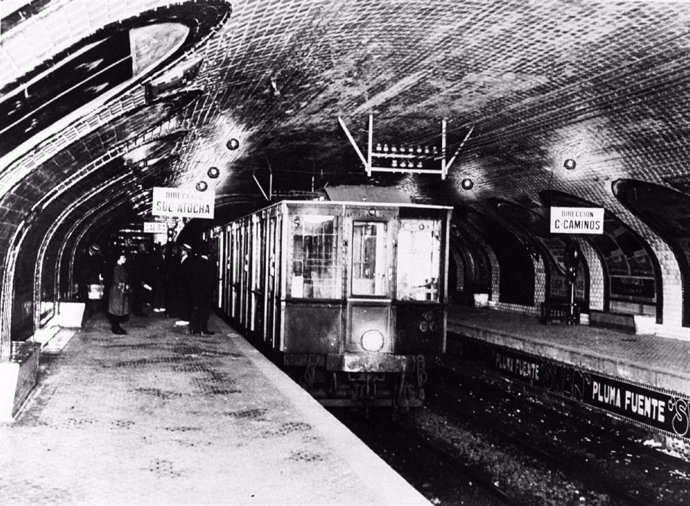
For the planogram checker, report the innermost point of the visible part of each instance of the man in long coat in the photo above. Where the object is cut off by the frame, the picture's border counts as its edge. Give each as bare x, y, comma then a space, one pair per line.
183, 288
119, 296
202, 284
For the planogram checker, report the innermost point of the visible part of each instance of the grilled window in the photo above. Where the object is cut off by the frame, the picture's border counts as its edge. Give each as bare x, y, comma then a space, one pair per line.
315, 272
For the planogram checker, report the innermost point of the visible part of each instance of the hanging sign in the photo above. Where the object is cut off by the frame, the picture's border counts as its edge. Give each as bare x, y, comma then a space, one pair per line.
179, 202
576, 220
155, 227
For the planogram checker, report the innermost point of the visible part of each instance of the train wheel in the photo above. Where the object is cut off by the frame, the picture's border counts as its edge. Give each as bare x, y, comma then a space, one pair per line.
310, 373
332, 385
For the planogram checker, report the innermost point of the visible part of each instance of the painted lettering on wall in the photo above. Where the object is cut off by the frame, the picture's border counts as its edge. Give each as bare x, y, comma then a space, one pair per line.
661, 410
635, 404
517, 366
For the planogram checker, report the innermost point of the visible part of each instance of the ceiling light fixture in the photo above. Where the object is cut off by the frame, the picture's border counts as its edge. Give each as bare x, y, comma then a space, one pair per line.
569, 164
213, 172
201, 186
233, 144
467, 184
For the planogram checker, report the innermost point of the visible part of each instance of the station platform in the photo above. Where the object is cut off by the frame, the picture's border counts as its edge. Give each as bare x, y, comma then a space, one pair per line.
646, 359
644, 378
158, 416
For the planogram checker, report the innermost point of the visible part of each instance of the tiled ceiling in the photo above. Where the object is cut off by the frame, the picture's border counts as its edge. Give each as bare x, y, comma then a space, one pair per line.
604, 83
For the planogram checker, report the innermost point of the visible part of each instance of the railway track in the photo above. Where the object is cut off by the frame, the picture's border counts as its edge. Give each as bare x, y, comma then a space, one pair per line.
598, 457
512, 447
441, 477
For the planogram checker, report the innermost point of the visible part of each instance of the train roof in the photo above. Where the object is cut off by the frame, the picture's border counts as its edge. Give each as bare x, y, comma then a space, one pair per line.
331, 203
365, 204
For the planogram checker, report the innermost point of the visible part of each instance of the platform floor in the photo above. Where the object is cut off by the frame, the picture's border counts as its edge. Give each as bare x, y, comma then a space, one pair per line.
161, 417
645, 359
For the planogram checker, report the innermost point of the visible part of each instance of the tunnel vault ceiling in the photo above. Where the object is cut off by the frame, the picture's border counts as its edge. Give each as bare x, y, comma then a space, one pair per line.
606, 84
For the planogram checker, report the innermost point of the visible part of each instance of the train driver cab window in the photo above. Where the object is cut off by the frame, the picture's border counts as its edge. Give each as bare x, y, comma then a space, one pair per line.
369, 258
315, 273
419, 259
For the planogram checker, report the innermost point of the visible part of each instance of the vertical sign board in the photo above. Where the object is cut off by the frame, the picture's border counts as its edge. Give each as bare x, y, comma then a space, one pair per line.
576, 220
181, 202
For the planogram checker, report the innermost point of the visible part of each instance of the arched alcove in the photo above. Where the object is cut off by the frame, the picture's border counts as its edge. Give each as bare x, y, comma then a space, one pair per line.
666, 212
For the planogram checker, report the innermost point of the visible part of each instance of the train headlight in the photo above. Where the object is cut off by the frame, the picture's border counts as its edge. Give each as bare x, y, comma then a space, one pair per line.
372, 340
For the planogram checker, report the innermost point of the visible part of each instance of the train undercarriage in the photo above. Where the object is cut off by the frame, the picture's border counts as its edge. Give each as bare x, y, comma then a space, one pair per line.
396, 381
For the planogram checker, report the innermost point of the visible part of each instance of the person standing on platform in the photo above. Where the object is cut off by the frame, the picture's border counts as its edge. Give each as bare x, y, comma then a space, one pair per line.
202, 283
182, 279
142, 281
91, 284
119, 296
170, 265
159, 282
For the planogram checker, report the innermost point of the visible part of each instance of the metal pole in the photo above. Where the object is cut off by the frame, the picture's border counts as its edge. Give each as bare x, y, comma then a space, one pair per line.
371, 138
571, 308
457, 151
260, 188
443, 149
352, 141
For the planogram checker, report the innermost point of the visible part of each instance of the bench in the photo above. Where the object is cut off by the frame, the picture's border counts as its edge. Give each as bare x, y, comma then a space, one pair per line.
560, 312
630, 323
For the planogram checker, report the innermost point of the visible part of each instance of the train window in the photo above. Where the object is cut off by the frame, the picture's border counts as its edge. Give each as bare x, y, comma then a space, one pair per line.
419, 259
369, 258
315, 271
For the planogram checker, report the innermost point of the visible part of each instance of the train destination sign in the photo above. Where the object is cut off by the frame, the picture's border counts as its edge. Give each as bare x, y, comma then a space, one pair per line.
576, 220
181, 202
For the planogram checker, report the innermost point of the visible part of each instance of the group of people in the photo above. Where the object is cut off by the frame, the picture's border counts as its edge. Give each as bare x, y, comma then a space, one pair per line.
173, 279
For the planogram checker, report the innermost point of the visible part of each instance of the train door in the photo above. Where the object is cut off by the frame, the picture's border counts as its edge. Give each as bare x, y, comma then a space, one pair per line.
236, 270
258, 274
226, 266
369, 287
244, 275
271, 264
253, 264
221, 276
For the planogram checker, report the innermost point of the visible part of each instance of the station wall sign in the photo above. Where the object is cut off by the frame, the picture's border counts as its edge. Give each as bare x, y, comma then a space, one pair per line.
155, 227
576, 220
655, 408
181, 202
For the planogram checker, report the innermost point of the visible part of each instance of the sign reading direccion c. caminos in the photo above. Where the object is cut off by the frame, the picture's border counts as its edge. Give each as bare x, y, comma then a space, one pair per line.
182, 202
577, 220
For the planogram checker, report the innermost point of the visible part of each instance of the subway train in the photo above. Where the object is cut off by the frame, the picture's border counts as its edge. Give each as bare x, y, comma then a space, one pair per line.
349, 297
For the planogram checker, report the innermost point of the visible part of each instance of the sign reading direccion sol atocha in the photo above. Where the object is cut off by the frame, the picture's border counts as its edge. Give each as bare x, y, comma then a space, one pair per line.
181, 202
577, 220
